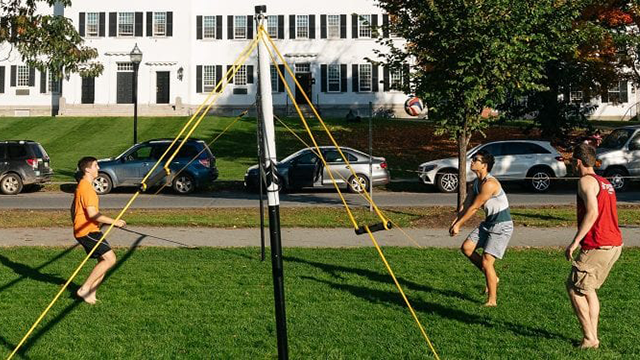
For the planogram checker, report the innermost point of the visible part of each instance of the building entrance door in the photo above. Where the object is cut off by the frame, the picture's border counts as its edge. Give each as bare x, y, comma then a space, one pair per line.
162, 87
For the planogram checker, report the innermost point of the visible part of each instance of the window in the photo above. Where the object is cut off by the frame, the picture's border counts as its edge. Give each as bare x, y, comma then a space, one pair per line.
333, 78
365, 77
307, 158
302, 26
122, 66
618, 94
159, 24
495, 149
208, 78
23, 76
141, 153
209, 27
274, 79
54, 84
272, 26
364, 26
241, 76
303, 68
519, 148
333, 26
240, 27
395, 79
125, 24
575, 96
92, 24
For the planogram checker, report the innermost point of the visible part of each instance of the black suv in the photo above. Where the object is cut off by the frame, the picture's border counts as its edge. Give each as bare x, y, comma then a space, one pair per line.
22, 162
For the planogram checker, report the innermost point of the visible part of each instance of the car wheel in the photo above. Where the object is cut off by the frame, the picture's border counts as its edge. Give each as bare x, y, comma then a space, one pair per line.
11, 184
618, 178
447, 181
540, 179
357, 184
102, 184
184, 184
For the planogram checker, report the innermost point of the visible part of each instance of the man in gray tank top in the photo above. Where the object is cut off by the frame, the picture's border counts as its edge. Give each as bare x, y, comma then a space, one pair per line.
494, 232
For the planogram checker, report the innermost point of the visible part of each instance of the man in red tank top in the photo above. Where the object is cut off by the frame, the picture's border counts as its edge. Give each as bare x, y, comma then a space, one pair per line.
599, 239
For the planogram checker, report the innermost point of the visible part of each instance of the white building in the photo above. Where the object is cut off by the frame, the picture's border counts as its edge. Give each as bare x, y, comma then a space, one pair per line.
188, 45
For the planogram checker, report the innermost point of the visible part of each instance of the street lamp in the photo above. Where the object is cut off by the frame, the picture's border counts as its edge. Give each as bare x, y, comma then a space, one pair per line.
136, 59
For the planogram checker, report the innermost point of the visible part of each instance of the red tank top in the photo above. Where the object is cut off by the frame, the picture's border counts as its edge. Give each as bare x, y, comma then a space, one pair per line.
605, 231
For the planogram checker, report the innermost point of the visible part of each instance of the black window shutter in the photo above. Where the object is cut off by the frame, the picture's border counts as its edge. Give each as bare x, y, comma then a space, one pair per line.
323, 26
198, 78
218, 76
343, 77
43, 82
230, 75
406, 76
354, 76
149, 23
14, 70
230, 27
32, 76
280, 82
81, 24
292, 26
199, 27
88, 90
354, 26
312, 26
323, 78
374, 78
280, 26
385, 78
101, 25
113, 24
169, 23
218, 27
1, 79
385, 25
138, 24
249, 74
374, 24
624, 95
249, 26
343, 26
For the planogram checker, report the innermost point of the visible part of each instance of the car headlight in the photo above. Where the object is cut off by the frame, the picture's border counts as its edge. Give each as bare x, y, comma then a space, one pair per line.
428, 168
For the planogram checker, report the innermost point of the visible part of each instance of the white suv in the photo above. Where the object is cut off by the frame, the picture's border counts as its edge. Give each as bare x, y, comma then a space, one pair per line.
535, 162
619, 156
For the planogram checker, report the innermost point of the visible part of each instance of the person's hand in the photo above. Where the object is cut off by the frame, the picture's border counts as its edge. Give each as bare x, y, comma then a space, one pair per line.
454, 230
568, 253
120, 223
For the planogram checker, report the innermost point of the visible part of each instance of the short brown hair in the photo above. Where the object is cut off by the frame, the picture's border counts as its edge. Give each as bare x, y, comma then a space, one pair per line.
85, 162
585, 153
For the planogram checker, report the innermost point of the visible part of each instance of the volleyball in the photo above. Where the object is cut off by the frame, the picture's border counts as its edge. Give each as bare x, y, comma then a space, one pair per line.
414, 106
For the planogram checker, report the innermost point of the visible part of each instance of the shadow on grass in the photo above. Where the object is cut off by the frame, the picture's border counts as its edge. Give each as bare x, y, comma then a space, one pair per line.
380, 296
72, 289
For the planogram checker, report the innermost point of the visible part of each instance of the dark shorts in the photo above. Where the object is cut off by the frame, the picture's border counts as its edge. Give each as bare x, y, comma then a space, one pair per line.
89, 242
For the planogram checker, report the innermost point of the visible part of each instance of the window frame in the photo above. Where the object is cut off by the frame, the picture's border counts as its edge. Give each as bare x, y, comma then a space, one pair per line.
335, 80
272, 29
616, 93
274, 78
88, 32
236, 28
396, 80
361, 78
22, 76
241, 78
335, 27
121, 15
53, 84
212, 29
364, 26
209, 80
157, 33
300, 25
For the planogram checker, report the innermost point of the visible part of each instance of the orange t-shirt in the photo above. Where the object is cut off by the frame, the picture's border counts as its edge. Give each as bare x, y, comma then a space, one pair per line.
84, 197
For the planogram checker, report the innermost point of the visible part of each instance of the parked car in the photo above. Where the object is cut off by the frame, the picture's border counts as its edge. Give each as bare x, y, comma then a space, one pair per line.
23, 163
303, 169
534, 162
130, 167
619, 156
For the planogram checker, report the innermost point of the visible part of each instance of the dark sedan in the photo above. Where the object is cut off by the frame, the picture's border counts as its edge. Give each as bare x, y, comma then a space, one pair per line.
303, 169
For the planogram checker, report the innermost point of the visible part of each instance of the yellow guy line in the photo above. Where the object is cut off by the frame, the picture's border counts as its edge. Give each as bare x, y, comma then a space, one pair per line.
345, 180
366, 193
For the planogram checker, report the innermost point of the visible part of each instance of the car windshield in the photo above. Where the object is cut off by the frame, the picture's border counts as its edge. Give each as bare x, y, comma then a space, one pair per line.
290, 157
616, 139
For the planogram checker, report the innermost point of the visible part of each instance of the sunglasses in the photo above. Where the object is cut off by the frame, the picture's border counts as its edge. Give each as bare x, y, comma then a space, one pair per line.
475, 159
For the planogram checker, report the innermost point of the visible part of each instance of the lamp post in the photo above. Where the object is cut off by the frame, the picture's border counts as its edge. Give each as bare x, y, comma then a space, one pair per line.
136, 59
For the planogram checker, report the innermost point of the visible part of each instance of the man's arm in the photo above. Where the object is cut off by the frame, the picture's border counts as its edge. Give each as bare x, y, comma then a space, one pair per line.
488, 189
465, 204
588, 192
95, 215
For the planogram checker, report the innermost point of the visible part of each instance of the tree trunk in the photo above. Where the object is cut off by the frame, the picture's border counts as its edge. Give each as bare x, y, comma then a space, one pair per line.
463, 142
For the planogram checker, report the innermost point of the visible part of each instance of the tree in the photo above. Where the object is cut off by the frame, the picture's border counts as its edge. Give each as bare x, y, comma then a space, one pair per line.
45, 41
469, 55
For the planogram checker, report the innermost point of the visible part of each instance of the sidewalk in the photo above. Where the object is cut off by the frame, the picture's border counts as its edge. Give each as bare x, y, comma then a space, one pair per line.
291, 237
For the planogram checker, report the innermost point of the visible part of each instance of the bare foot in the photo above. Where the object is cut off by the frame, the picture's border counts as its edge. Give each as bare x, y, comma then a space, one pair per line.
486, 289
490, 304
87, 295
589, 344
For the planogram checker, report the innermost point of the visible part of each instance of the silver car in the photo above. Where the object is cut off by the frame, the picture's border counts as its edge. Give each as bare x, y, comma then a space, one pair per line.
303, 169
619, 156
534, 162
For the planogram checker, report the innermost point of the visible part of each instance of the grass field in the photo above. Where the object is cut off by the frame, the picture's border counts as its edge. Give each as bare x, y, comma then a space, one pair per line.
218, 303
315, 217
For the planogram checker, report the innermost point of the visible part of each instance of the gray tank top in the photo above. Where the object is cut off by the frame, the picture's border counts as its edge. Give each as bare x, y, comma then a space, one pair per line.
497, 207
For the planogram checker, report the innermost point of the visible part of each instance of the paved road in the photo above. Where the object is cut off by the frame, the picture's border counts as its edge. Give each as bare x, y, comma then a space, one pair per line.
62, 200
291, 237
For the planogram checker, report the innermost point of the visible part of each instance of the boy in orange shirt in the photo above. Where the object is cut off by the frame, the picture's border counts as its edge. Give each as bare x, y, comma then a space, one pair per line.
86, 228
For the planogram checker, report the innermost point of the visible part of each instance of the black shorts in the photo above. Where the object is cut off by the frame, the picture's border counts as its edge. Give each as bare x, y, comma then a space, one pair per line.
89, 242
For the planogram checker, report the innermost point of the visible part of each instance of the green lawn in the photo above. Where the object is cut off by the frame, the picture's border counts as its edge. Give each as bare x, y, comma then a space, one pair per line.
217, 303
